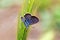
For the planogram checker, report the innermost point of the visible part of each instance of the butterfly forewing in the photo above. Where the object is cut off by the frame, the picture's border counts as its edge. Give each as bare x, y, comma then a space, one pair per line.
34, 19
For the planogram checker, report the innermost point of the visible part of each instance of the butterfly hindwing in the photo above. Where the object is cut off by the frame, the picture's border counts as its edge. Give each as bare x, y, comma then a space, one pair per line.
34, 19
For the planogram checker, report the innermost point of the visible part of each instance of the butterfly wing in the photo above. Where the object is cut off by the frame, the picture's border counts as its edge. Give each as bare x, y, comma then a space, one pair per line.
34, 20
28, 18
31, 19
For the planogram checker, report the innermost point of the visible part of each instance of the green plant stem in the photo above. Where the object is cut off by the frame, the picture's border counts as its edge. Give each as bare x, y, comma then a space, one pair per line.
24, 34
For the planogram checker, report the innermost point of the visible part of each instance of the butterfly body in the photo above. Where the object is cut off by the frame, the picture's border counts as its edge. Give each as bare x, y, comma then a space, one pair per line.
29, 20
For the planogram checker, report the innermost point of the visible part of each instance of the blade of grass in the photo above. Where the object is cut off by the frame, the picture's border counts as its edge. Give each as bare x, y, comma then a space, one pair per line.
27, 7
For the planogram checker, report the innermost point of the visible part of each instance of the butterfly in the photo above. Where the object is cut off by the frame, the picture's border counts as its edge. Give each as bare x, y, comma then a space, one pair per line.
28, 19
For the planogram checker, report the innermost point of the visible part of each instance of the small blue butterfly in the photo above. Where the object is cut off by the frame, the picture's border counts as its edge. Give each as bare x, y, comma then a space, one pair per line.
29, 20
